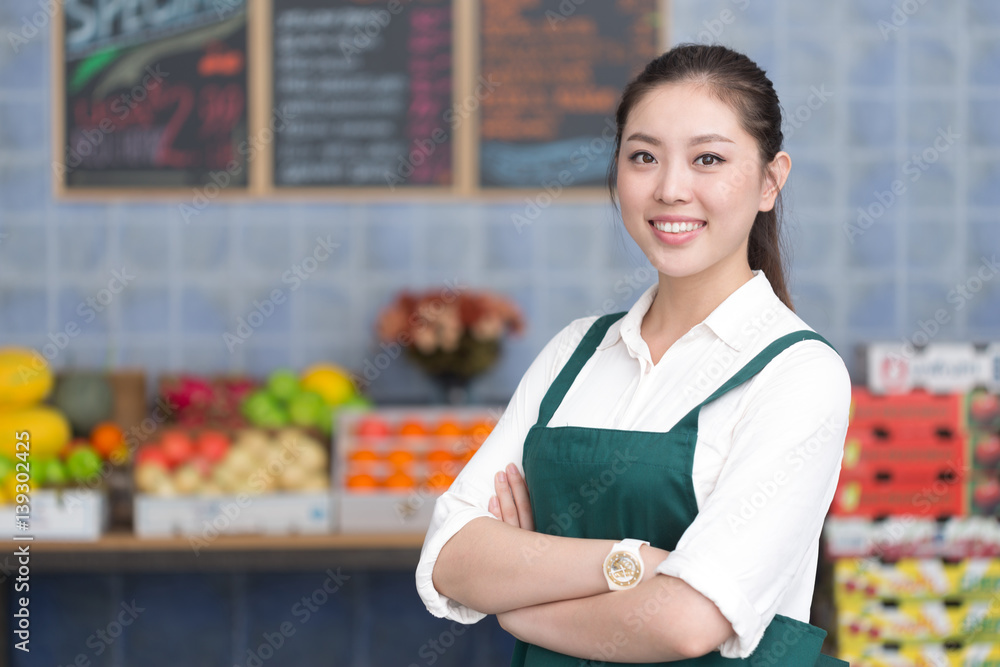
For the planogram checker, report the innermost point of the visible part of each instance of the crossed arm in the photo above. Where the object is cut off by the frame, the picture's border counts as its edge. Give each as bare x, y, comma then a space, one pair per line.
550, 591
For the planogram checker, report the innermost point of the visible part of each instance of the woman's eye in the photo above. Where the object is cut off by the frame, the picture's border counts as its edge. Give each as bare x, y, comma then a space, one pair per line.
708, 160
642, 157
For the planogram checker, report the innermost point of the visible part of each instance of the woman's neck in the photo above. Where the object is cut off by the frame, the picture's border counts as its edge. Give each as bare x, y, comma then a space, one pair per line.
682, 303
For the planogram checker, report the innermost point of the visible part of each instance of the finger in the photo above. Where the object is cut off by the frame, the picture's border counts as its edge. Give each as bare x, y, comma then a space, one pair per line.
519, 489
494, 508
507, 507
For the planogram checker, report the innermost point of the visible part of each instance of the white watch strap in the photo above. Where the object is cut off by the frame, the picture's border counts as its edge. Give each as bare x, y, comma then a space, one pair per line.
629, 545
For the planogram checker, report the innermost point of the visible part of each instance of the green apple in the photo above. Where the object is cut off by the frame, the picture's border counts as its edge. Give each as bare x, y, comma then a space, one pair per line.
307, 408
283, 384
83, 465
54, 473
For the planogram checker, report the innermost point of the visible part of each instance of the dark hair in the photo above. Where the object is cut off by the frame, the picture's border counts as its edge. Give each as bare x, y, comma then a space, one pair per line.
739, 82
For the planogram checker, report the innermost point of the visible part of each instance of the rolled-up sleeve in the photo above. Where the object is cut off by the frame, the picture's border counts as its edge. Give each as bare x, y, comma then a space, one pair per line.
469, 495
760, 525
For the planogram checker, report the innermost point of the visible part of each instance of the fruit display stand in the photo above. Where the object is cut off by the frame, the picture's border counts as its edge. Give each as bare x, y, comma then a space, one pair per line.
210, 483
391, 464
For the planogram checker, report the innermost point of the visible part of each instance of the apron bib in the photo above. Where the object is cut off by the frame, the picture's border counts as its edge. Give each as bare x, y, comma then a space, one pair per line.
582, 480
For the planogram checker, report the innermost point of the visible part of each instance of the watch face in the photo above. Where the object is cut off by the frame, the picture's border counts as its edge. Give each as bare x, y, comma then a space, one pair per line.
623, 569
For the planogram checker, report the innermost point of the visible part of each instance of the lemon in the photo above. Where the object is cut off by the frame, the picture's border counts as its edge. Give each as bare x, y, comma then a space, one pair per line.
331, 382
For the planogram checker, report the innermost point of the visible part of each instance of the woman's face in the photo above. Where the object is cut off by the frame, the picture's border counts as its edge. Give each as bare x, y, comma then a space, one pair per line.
690, 182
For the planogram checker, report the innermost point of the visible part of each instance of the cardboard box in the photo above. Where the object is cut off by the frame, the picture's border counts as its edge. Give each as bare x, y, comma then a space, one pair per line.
880, 498
916, 579
895, 368
69, 514
861, 621
922, 654
912, 537
208, 517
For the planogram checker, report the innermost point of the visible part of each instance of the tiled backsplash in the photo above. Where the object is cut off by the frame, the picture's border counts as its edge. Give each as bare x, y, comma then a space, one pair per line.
874, 92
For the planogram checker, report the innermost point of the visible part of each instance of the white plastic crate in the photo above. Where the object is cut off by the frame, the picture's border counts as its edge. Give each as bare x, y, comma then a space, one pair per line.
209, 517
69, 514
408, 508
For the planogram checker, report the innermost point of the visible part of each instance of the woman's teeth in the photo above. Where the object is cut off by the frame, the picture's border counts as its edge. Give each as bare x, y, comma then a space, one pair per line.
677, 227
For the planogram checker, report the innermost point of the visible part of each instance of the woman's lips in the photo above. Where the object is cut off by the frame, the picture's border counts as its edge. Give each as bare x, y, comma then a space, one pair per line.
677, 231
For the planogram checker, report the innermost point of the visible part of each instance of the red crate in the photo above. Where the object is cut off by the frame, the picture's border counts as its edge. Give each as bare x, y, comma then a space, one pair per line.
904, 472
871, 499
868, 446
931, 411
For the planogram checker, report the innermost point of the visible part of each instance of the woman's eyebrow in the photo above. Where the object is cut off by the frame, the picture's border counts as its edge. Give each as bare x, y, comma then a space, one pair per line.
700, 139
708, 139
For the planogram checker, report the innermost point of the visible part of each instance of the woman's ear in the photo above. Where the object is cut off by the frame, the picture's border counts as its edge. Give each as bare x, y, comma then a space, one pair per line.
777, 174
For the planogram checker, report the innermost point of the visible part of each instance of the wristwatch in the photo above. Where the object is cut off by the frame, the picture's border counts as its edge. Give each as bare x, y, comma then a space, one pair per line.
623, 566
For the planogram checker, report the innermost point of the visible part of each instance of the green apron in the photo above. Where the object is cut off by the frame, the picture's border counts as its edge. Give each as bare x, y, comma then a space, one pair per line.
568, 470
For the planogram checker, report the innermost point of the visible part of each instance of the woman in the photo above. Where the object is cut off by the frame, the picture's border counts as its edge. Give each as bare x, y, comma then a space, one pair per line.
656, 489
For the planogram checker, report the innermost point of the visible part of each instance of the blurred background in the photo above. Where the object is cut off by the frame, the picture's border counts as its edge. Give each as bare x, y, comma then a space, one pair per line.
233, 264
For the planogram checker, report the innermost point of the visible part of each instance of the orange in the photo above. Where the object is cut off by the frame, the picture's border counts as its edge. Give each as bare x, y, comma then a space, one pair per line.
412, 427
480, 431
448, 428
440, 456
401, 457
106, 438
363, 455
361, 483
399, 481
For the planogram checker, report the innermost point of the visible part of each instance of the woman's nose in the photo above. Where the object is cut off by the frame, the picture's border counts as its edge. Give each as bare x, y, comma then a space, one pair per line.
673, 184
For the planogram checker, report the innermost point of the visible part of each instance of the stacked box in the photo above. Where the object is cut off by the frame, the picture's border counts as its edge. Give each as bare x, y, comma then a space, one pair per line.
984, 453
392, 464
979, 654
900, 613
904, 455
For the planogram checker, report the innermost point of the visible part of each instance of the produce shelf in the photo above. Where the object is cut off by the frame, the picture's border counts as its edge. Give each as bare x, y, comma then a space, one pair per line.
118, 552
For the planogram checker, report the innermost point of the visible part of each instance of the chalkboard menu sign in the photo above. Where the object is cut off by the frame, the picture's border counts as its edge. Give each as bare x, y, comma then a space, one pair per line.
155, 94
367, 90
558, 67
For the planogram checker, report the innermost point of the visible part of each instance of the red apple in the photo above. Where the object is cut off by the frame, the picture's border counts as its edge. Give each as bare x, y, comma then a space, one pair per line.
984, 407
987, 496
151, 455
201, 464
213, 445
988, 451
177, 447
372, 427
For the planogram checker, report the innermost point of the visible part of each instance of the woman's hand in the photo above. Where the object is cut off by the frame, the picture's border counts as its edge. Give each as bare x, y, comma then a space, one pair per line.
511, 503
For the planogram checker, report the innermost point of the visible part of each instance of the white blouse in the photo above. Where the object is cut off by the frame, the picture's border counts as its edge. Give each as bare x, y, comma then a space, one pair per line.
765, 466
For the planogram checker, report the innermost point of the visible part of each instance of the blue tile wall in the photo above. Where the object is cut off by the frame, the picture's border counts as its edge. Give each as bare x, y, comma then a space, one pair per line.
890, 94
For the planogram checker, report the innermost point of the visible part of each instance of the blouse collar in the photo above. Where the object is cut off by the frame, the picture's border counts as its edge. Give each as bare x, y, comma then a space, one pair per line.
737, 321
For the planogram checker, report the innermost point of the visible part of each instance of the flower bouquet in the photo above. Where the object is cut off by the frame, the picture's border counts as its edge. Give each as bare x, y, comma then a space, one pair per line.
452, 336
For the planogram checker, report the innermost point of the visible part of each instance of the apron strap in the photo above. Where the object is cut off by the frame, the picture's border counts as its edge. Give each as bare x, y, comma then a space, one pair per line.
557, 390
754, 366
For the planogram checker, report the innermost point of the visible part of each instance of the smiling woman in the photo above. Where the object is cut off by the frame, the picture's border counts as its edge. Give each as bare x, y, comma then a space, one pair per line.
603, 518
